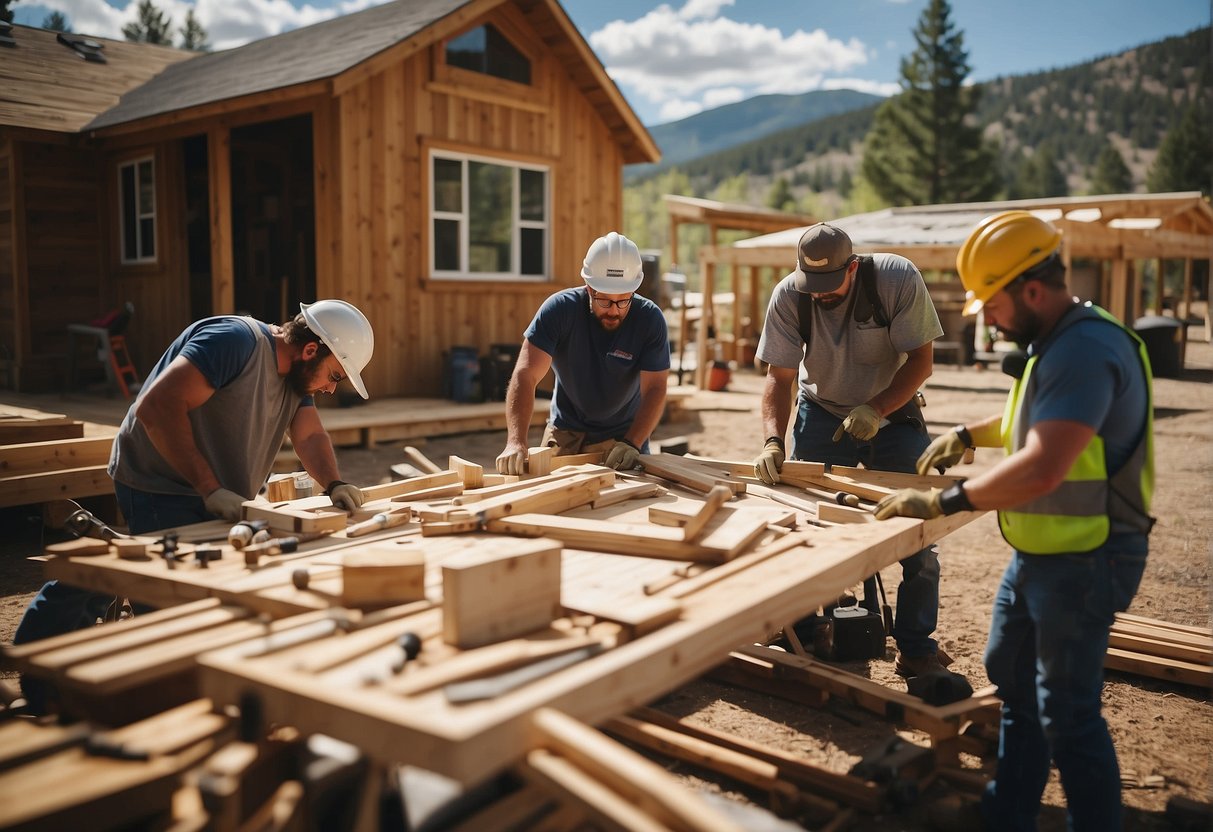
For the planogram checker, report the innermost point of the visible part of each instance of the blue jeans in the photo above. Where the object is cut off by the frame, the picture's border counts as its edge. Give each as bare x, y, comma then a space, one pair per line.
895, 448
1048, 638
60, 608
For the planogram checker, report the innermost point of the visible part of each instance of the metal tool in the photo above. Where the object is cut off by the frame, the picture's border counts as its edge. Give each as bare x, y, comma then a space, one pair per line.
476, 690
280, 545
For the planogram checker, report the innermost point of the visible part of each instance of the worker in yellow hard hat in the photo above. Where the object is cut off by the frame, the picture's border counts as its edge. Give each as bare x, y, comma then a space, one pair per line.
1073, 498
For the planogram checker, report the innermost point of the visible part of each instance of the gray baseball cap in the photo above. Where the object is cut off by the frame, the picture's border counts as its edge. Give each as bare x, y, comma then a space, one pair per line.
822, 257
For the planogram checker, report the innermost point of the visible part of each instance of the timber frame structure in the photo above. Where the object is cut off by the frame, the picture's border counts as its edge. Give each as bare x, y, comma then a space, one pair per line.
303, 166
1113, 232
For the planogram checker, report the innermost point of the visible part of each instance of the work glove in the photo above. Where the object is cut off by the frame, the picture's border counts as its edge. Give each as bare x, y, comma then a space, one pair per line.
768, 463
345, 496
512, 462
224, 503
862, 423
943, 452
623, 456
910, 502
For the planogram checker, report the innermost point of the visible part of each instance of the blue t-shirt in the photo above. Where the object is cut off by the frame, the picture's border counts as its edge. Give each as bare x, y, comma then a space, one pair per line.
598, 372
1090, 372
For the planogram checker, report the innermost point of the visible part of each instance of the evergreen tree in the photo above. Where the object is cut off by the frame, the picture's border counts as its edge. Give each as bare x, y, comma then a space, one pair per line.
6, 13
1184, 162
56, 22
193, 36
921, 150
1039, 176
151, 27
1110, 174
780, 196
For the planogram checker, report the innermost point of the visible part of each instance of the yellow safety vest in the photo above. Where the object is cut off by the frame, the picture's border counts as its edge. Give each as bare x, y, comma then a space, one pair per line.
1079, 514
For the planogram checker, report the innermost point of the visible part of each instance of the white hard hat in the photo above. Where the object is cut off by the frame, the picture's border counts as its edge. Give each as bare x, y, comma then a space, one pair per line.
612, 265
345, 331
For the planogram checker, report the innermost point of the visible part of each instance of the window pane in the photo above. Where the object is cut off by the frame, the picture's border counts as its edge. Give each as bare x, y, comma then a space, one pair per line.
532, 195
147, 237
446, 245
486, 50
532, 250
130, 218
147, 190
448, 182
467, 50
490, 221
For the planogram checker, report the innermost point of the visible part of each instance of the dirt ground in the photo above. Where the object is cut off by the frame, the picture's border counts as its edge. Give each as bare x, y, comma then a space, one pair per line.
1158, 728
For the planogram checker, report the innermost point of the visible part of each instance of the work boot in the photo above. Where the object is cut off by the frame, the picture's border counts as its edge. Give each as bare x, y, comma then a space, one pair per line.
908, 666
954, 813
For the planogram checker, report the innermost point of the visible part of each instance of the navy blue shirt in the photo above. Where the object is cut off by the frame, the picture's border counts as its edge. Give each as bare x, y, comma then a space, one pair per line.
598, 372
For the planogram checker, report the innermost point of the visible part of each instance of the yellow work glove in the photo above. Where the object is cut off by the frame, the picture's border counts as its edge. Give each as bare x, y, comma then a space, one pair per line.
224, 503
512, 462
862, 423
944, 451
623, 456
910, 502
768, 464
345, 496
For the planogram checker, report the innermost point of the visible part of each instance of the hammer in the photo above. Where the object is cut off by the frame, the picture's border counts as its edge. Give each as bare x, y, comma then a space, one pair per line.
279, 546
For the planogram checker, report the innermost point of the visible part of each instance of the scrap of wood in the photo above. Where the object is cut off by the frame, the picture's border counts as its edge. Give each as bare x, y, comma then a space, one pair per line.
563, 460
470, 474
641, 540
622, 492
549, 497
285, 518
409, 486
438, 492
130, 548
718, 496
688, 473
642, 782
489, 480
420, 461
539, 461
830, 512
511, 590
850, 485
519, 484
438, 528
80, 547
280, 487
383, 574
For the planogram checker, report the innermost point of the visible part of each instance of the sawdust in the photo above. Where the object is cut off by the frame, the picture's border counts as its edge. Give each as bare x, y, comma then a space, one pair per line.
1161, 730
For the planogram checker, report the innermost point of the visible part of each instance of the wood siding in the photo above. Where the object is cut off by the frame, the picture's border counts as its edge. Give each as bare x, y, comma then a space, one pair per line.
381, 132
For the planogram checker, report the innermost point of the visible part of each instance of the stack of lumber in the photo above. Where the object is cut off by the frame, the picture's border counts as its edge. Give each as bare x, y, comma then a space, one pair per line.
1161, 650
45, 456
434, 625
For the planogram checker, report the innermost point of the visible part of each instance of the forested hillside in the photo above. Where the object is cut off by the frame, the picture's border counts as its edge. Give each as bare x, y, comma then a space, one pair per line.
1069, 131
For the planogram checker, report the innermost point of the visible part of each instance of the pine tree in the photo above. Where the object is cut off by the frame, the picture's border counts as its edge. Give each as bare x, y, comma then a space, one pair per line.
780, 196
1039, 176
6, 13
56, 22
151, 27
1183, 162
1110, 174
920, 149
193, 36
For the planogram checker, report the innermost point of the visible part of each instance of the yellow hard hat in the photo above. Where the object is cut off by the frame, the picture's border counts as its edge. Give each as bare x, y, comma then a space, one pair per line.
1000, 249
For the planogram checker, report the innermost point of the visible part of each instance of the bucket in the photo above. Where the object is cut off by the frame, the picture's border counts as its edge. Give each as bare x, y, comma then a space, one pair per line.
718, 376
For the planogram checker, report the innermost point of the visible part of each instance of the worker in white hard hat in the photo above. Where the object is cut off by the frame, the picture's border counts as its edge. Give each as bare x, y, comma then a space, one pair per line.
202, 435
610, 351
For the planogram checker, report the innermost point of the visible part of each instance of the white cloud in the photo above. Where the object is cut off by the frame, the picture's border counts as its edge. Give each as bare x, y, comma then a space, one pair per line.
695, 9
673, 109
672, 59
722, 95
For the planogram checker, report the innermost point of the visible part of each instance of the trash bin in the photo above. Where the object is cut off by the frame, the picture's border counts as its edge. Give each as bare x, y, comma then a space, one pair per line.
462, 381
1162, 337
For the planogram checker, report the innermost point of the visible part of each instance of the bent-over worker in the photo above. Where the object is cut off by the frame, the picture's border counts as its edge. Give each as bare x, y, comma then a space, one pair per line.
611, 353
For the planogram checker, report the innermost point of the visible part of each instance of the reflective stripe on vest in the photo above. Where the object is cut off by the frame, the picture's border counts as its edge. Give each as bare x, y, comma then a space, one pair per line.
1079, 514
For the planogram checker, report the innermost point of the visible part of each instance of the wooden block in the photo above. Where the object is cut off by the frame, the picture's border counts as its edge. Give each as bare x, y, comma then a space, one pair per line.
470, 474
80, 547
718, 496
539, 461
621, 492
383, 574
511, 590
437, 528
280, 488
674, 515
129, 549
289, 519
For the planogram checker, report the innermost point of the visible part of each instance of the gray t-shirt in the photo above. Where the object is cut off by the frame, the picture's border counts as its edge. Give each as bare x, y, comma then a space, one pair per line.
849, 362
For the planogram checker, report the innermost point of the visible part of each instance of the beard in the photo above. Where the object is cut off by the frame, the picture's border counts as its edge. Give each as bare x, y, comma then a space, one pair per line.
829, 302
1024, 328
302, 375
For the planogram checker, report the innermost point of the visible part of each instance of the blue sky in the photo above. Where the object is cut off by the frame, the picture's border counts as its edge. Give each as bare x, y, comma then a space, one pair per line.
672, 60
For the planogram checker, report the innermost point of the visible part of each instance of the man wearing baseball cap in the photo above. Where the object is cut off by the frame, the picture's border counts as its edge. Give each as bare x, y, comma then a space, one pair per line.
857, 333
611, 353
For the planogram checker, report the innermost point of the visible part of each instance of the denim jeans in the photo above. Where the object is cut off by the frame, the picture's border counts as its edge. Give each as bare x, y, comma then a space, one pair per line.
1048, 638
60, 608
896, 447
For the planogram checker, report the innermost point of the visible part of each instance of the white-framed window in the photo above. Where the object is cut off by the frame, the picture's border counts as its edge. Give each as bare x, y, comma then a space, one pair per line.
137, 210
489, 218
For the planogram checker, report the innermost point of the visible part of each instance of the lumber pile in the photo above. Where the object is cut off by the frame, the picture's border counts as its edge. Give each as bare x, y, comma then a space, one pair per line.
56, 467
1160, 650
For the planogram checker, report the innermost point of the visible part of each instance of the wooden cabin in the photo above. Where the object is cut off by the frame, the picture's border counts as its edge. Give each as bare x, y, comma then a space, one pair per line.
441, 164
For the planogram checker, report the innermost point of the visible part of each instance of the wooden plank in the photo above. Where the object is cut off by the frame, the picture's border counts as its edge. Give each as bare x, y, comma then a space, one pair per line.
637, 615
66, 484
604, 808
1173, 670
1165, 625
37, 457
435, 493
828, 512
420, 460
23, 433
1162, 649
622, 492
605, 536
283, 517
410, 486
508, 488
688, 473
718, 496
549, 498
495, 595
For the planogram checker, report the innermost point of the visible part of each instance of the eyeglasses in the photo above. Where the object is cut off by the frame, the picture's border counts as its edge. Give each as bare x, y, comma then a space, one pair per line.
606, 303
